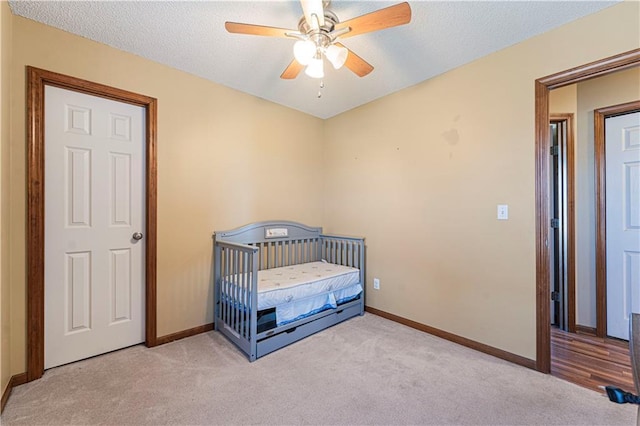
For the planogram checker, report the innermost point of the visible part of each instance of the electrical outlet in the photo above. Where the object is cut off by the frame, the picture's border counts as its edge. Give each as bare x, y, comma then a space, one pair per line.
376, 284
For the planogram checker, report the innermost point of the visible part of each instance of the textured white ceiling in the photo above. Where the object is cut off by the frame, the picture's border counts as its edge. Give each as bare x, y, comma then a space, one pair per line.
190, 36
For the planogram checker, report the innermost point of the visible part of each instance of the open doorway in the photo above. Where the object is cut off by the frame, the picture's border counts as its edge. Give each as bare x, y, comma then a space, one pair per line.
543, 208
578, 199
578, 353
562, 238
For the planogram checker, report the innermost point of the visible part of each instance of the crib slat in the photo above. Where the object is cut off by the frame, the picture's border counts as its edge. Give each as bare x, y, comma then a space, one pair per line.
288, 244
232, 288
228, 295
229, 284
325, 250
253, 306
236, 293
243, 294
268, 255
316, 252
237, 277
226, 286
223, 277
282, 261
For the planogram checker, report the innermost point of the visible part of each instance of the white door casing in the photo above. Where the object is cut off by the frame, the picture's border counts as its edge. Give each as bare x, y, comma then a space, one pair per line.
94, 203
622, 153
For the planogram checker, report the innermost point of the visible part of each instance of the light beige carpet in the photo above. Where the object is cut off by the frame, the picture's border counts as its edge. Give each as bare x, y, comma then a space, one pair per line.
367, 370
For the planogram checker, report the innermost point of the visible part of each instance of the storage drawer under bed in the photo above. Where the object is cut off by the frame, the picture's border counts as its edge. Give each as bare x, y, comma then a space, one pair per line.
277, 341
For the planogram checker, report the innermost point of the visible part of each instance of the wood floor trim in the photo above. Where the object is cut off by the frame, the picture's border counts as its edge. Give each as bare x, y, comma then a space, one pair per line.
184, 333
16, 380
472, 344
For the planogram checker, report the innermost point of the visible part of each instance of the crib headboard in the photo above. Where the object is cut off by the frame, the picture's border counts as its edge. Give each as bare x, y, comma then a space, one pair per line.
261, 232
284, 243
279, 243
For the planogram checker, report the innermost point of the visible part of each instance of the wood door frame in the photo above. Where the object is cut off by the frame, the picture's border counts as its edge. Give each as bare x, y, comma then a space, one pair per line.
542, 145
569, 119
599, 117
37, 79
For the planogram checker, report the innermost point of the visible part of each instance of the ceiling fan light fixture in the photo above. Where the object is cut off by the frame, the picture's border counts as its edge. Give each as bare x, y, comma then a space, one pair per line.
315, 69
337, 55
304, 51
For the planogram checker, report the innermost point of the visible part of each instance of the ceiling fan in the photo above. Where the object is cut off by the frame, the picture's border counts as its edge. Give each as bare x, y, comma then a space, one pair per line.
318, 32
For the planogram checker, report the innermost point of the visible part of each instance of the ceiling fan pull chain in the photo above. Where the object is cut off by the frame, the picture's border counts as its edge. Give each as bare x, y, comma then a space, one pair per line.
320, 90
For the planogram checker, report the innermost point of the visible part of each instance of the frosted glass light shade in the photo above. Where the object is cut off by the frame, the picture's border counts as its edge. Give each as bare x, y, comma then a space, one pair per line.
315, 69
304, 51
336, 55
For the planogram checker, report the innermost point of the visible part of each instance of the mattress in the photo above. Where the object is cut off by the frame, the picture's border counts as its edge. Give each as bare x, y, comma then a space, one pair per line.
302, 290
288, 284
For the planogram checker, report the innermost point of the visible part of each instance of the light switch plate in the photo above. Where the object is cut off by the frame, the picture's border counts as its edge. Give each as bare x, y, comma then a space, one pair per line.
503, 212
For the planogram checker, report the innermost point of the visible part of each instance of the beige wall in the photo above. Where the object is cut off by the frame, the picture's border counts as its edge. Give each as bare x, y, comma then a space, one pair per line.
564, 100
224, 159
606, 91
420, 172
6, 20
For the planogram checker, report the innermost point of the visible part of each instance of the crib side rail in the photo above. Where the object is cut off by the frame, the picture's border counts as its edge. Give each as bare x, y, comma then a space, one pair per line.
342, 250
236, 271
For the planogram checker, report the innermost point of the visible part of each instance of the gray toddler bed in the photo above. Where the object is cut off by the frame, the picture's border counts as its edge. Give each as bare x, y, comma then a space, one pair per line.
277, 282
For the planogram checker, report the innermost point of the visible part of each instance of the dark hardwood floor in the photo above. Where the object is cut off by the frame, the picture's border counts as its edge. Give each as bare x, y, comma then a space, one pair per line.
591, 361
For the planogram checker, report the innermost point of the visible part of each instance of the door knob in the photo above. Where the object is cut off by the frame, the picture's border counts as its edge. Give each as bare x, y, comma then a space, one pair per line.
137, 236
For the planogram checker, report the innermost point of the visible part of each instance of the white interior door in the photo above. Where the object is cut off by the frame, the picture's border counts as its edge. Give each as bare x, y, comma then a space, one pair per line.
94, 203
622, 151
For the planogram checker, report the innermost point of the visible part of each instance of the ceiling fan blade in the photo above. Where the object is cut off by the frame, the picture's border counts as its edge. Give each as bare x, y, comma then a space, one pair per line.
355, 63
310, 8
292, 70
261, 30
391, 16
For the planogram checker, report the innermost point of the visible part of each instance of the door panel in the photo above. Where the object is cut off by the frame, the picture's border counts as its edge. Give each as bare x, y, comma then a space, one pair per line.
78, 292
94, 202
622, 150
